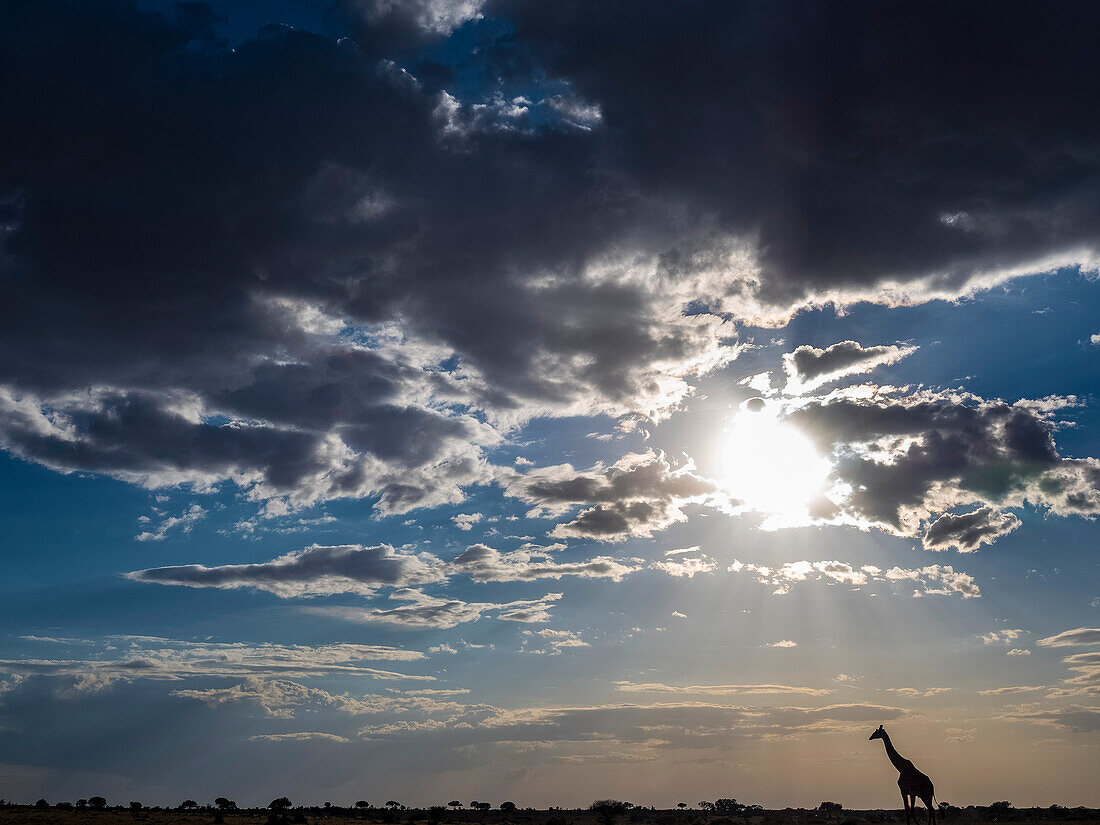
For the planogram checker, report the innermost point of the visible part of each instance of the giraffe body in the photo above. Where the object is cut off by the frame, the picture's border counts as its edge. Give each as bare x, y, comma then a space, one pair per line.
912, 783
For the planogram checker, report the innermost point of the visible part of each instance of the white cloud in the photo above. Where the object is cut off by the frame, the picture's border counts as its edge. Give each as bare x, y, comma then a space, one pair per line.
185, 521
419, 610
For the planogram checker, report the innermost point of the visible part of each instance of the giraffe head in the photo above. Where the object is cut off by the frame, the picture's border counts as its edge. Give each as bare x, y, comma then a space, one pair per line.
878, 734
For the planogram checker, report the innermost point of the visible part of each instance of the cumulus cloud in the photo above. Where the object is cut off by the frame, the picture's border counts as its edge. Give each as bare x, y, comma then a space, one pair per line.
466, 521
934, 579
483, 563
421, 610
637, 495
1002, 636
903, 460
686, 567
184, 521
968, 531
808, 367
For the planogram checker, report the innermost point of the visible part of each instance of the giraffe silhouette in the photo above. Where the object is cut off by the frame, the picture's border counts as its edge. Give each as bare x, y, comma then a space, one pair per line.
912, 782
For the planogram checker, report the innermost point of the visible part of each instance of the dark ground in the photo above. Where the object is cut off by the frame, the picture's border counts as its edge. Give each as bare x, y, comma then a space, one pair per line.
12, 814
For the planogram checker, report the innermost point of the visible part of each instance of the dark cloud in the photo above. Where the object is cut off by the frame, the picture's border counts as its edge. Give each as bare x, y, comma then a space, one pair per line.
968, 531
638, 494
935, 141
808, 367
904, 459
324, 268
314, 571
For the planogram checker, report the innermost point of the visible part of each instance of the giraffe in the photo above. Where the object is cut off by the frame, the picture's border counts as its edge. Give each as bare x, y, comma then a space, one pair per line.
912, 782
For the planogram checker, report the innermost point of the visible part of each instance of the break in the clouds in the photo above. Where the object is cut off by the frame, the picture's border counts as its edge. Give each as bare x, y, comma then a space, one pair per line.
809, 367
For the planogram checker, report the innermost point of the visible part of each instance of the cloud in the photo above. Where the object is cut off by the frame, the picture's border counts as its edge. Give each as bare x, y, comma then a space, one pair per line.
1072, 638
556, 641
314, 571
639, 494
184, 521
720, 690
529, 563
931, 580
130, 658
1002, 636
1018, 652
1073, 718
681, 724
902, 460
968, 531
368, 309
681, 567
914, 693
466, 521
782, 643
1002, 691
301, 736
420, 610
809, 367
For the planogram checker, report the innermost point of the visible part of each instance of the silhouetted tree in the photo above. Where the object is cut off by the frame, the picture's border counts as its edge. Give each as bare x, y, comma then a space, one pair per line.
707, 806
454, 803
82, 803
728, 806
362, 804
508, 807
224, 804
280, 804
608, 809
41, 803
136, 806
830, 809
97, 802
481, 806
188, 805
681, 805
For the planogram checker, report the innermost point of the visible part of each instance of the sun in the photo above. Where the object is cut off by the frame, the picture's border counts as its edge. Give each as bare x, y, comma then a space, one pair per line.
771, 466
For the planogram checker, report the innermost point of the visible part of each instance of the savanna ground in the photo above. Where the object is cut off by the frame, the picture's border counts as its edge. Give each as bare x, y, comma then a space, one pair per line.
28, 815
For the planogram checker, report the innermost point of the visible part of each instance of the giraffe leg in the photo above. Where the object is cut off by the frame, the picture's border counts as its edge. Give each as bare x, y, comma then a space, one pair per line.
931, 810
905, 804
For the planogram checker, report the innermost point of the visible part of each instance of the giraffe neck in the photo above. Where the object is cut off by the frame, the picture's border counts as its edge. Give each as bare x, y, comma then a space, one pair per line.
895, 757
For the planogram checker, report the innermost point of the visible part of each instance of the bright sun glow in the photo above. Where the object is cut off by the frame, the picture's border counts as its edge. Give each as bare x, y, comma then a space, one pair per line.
770, 466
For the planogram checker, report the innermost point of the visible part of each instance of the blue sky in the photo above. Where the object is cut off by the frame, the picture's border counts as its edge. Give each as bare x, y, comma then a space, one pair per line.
408, 403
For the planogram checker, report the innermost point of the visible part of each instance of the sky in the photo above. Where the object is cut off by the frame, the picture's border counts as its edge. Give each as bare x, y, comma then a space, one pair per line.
549, 401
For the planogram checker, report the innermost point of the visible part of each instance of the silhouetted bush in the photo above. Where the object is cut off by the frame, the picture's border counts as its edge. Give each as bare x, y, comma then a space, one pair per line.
97, 802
